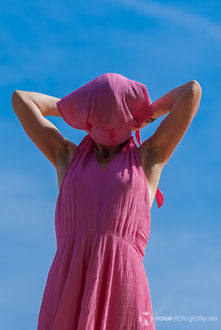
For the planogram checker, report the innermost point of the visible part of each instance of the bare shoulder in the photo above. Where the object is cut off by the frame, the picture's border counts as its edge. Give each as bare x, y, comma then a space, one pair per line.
64, 161
152, 167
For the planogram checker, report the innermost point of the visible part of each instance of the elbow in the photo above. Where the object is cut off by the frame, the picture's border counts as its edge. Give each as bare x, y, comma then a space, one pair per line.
15, 99
195, 87
196, 92
16, 92
14, 95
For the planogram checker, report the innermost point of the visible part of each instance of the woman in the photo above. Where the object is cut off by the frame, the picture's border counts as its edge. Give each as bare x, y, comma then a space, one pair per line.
97, 279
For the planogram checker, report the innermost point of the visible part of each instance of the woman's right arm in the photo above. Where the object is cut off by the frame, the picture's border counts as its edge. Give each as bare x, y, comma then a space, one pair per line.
31, 109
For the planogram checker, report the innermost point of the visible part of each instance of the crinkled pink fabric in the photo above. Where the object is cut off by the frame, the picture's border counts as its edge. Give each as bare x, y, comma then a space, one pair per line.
97, 280
108, 107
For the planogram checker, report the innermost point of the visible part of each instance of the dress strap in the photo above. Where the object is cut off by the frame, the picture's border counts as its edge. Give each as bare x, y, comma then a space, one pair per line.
159, 195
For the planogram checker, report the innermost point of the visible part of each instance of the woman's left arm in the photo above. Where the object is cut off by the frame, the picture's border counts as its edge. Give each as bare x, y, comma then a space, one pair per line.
174, 126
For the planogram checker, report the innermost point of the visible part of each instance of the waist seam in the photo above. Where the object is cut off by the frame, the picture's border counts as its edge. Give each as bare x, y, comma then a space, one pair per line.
131, 242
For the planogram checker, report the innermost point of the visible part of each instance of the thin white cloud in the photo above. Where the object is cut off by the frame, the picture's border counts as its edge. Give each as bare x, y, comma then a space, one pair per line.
187, 19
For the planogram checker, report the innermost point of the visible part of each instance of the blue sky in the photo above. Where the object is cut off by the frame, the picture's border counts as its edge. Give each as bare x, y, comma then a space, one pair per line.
53, 48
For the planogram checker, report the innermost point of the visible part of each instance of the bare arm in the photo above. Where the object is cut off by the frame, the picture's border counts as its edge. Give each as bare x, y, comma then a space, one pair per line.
45, 103
182, 103
31, 109
164, 104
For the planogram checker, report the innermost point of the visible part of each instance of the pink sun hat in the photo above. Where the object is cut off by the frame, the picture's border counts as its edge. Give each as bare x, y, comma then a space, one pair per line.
108, 107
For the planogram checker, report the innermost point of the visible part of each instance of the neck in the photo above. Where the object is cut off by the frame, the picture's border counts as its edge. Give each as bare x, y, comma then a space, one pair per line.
108, 151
